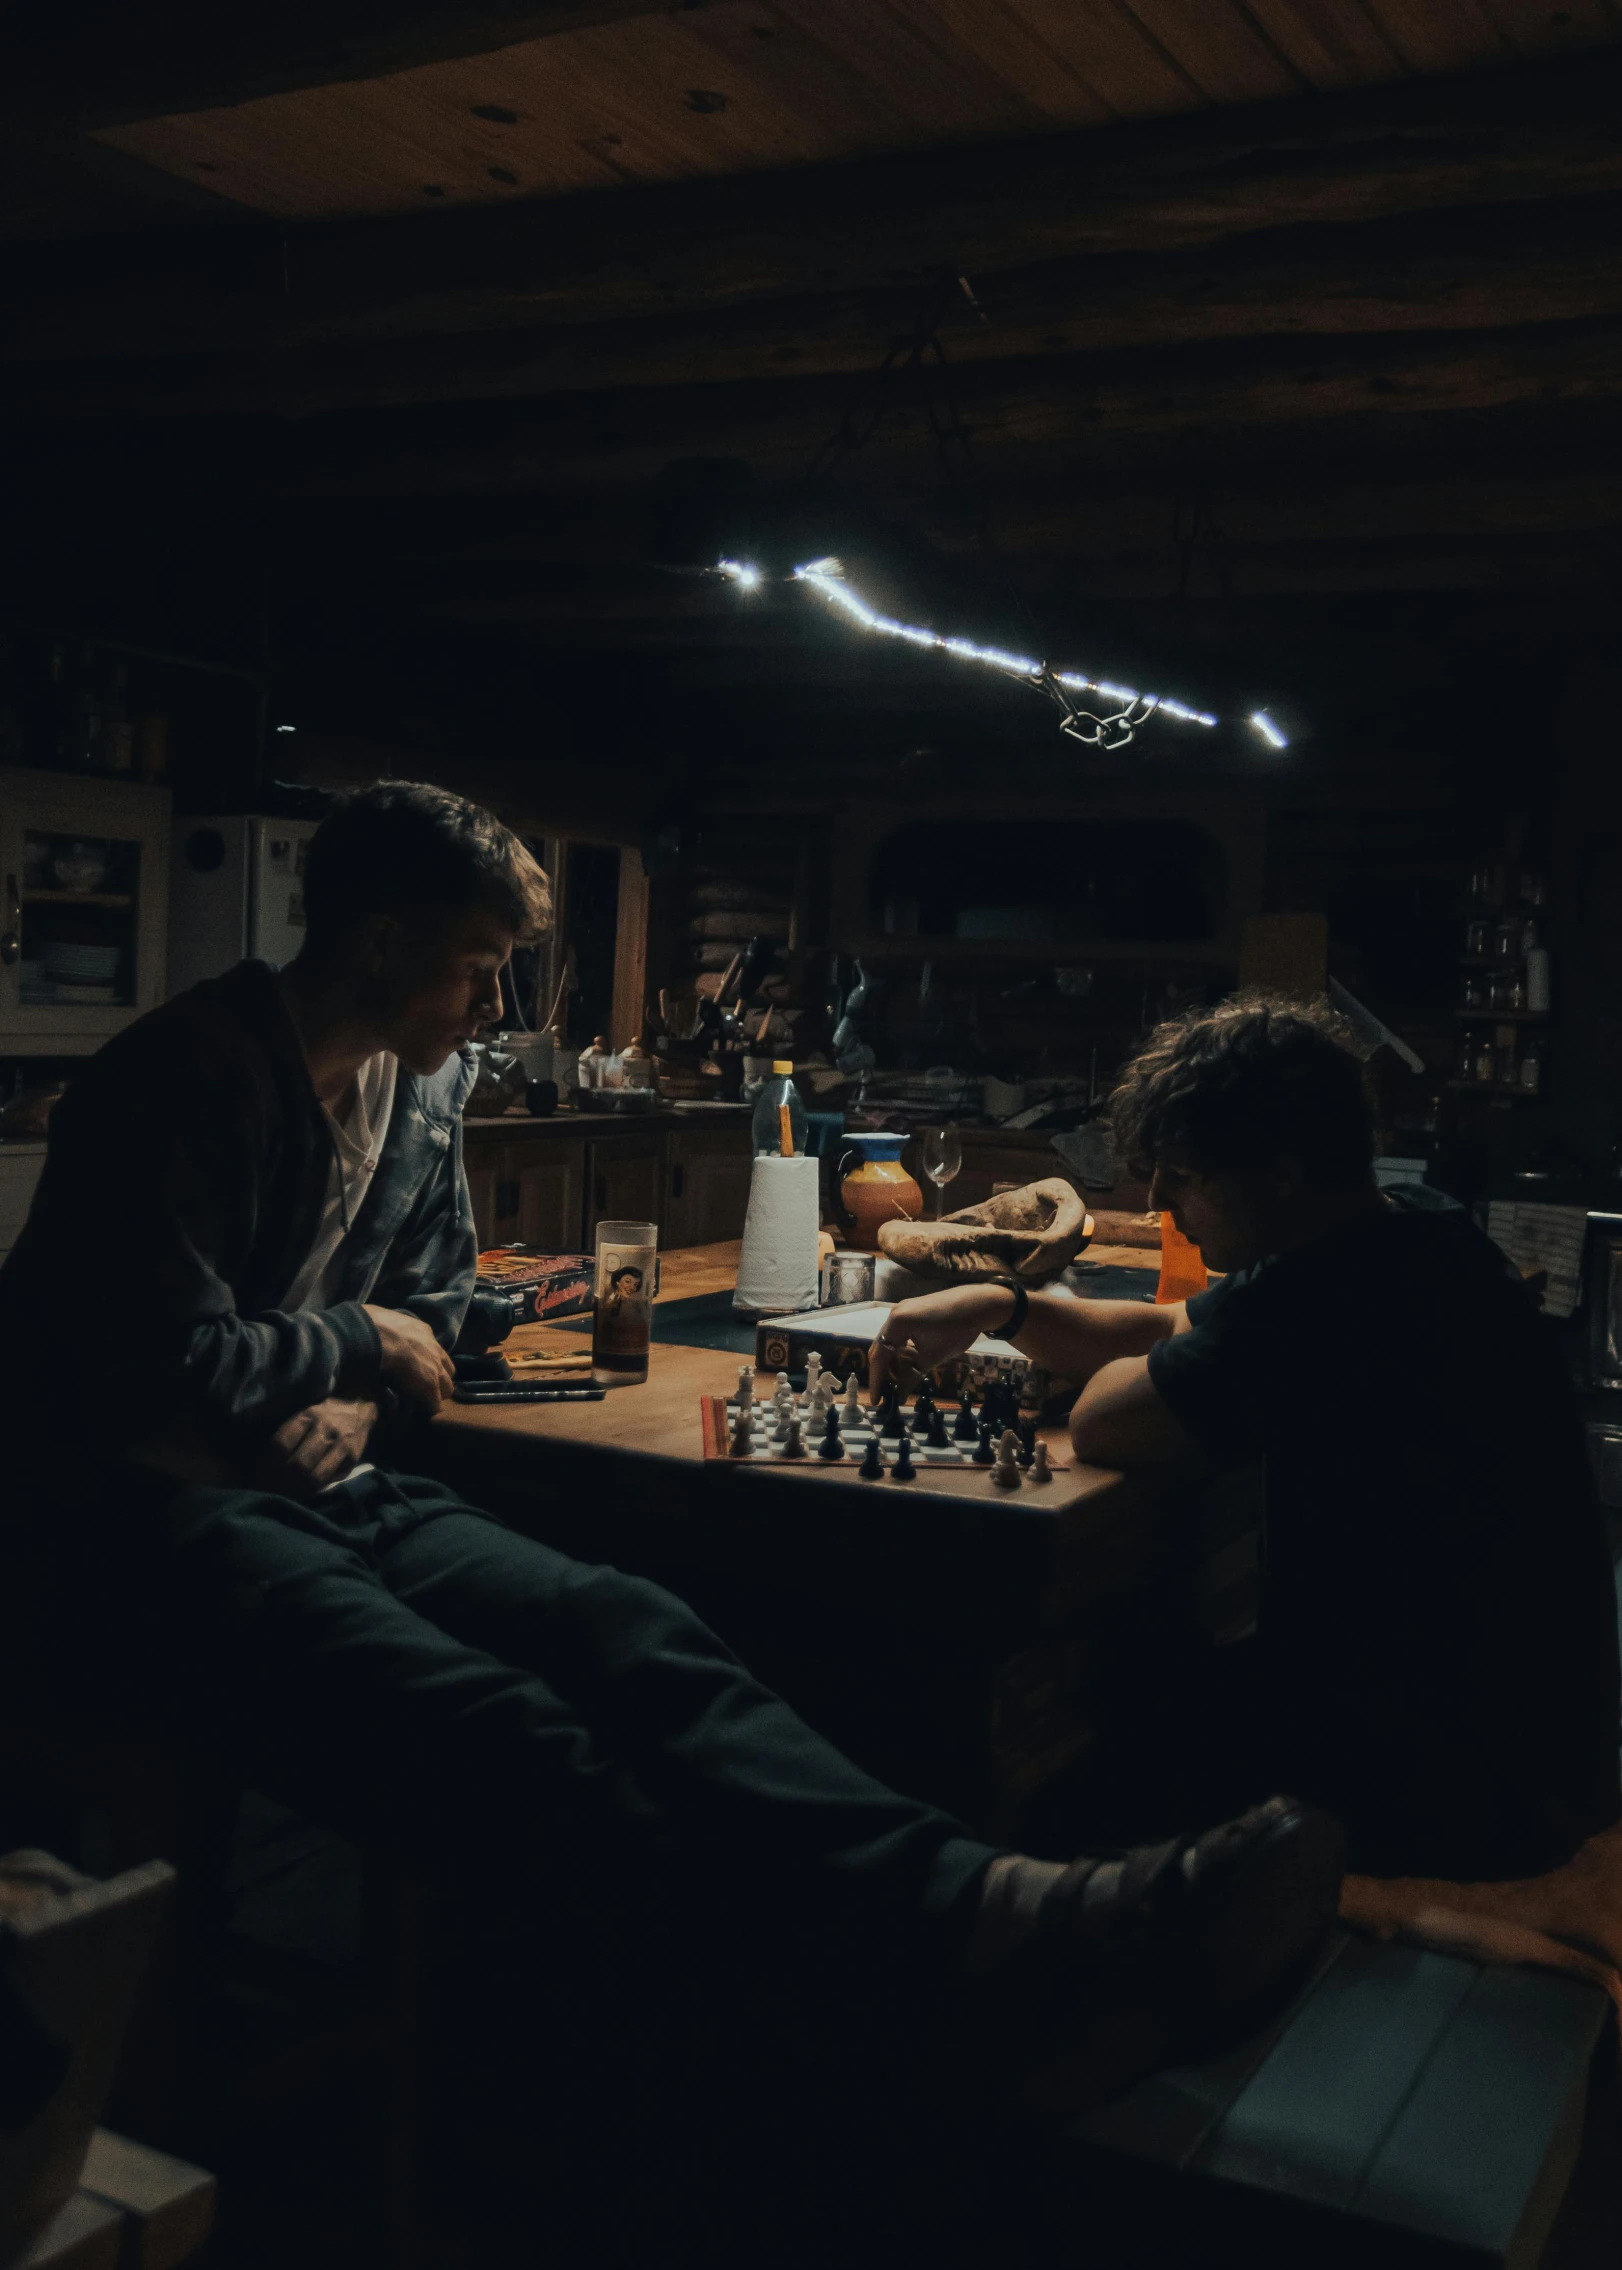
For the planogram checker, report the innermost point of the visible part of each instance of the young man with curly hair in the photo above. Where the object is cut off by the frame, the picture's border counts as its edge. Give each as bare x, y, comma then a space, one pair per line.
1436, 1652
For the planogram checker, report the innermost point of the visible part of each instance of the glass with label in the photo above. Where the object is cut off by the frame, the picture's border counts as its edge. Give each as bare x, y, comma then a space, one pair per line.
627, 1279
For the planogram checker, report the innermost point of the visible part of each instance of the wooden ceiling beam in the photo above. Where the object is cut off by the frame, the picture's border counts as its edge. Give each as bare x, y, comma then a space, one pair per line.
106, 62
1466, 272
884, 226
1026, 422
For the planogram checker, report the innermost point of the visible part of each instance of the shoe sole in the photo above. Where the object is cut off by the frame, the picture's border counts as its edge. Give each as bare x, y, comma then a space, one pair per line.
1264, 1925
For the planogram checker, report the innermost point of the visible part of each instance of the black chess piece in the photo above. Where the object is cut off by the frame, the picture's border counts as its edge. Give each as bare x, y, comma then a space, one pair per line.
922, 1410
995, 1407
830, 1446
963, 1429
985, 1449
903, 1470
890, 1420
937, 1437
1026, 1453
872, 1466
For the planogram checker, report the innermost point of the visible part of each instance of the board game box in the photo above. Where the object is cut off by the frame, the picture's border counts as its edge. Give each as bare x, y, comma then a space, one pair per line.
542, 1286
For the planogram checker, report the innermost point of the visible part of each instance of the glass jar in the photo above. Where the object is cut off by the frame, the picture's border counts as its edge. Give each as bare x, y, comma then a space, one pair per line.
1475, 990
1478, 940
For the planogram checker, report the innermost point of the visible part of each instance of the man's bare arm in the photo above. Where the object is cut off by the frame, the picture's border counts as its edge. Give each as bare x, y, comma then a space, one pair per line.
1119, 1419
1070, 1338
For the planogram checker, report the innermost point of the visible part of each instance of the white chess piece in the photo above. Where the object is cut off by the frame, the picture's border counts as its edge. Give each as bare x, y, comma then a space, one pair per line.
813, 1373
1041, 1471
746, 1386
833, 1389
853, 1401
1005, 1473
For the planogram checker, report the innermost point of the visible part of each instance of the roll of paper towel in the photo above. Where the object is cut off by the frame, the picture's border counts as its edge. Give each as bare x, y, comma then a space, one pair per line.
777, 1269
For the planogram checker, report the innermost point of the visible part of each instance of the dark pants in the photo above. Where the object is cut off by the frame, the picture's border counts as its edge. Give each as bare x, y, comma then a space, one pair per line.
691, 1958
400, 1665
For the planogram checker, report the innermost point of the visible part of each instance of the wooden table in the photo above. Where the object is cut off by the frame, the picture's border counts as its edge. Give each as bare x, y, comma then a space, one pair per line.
944, 1631
660, 1417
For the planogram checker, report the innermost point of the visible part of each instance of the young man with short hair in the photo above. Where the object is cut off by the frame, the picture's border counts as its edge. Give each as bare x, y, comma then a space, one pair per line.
252, 1235
1436, 1654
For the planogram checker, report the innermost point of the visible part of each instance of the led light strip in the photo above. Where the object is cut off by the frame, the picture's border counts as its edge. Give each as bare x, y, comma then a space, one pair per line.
828, 578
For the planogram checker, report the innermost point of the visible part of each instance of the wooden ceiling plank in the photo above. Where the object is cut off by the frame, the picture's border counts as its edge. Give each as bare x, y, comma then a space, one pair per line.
937, 87
1330, 43
1439, 35
1106, 43
1003, 44
1220, 50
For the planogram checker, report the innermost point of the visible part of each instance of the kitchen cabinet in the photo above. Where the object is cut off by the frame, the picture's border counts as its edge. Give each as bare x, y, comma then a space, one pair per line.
84, 891
547, 1183
706, 1184
625, 1181
527, 1193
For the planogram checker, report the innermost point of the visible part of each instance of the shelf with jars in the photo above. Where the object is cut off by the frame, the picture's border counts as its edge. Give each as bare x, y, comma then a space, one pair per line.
1505, 983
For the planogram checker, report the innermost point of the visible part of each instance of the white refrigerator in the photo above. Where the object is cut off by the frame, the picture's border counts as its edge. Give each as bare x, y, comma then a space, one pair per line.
236, 888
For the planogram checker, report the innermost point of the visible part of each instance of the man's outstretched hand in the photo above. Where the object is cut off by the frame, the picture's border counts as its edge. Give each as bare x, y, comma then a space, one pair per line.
317, 1446
920, 1333
413, 1360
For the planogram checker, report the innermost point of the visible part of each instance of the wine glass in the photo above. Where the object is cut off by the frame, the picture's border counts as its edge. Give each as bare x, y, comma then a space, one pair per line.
942, 1158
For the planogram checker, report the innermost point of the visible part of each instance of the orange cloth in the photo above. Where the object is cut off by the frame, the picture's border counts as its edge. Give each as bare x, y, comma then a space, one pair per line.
1570, 1919
1182, 1271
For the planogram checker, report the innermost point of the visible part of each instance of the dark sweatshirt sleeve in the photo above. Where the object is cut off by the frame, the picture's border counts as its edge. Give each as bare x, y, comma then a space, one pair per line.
149, 1193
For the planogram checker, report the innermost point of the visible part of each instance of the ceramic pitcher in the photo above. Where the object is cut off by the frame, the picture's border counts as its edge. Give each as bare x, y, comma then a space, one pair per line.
878, 1188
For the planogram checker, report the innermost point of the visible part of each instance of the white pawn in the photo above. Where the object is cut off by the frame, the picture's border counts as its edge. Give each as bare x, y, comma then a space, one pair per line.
1041, 1471
782, 1396
853, 1401
816, 1409
1005, 1473
813, 1373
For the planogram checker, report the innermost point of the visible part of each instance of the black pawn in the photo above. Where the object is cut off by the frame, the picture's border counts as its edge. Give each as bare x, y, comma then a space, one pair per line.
937, 1437
964, 1429
984, 1453
1026, 1453
872, 1466
923, 1410
830, 1446
890, 1424
903, 1470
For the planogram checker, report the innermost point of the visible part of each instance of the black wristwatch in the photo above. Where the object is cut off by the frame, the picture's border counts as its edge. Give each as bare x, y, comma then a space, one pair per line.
1016, 1315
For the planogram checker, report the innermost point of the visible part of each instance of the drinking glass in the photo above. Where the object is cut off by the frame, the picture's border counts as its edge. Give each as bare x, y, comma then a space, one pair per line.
627, 1279
942, 1158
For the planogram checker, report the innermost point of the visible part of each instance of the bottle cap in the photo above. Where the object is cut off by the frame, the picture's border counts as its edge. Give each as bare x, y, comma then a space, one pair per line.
781, 1064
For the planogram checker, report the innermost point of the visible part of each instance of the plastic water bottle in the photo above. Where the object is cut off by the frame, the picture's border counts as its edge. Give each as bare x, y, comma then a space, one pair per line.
778, 1126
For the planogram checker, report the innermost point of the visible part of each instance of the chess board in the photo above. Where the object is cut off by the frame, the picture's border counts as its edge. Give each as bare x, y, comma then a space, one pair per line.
854, 1438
